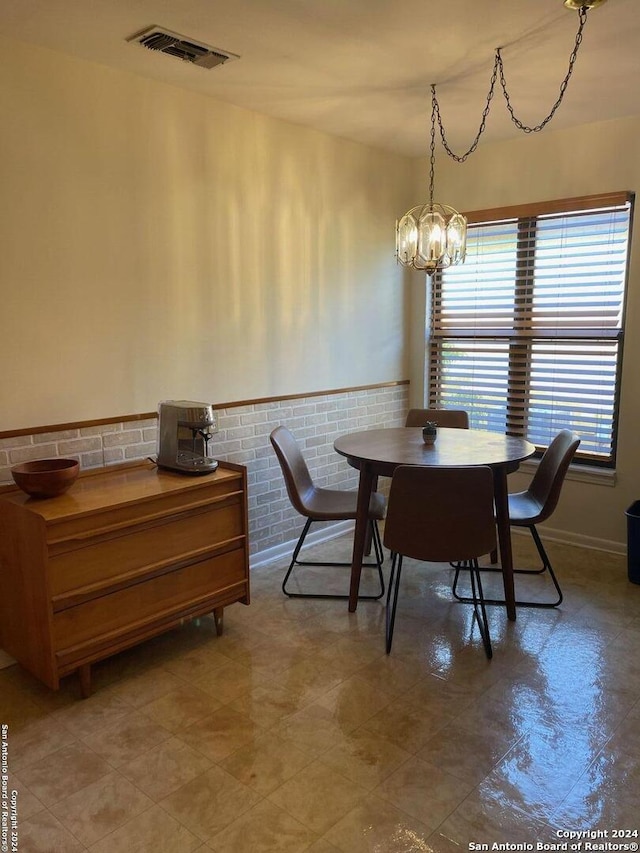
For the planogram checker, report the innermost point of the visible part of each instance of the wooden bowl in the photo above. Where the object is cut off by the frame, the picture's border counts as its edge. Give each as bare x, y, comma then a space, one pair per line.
46, 478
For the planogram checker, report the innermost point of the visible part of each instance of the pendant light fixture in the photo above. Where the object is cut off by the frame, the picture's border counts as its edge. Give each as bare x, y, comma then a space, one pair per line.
433, 236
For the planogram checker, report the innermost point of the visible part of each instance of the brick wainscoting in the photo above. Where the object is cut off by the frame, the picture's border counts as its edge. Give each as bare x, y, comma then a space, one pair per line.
243, 437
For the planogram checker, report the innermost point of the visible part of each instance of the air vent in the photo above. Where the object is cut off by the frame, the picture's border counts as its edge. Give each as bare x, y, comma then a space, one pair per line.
197, 53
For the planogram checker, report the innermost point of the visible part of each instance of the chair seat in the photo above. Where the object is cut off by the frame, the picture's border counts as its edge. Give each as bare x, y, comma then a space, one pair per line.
336, 505
524, 509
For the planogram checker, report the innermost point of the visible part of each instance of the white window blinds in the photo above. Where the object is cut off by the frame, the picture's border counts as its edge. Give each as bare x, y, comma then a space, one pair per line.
527, 334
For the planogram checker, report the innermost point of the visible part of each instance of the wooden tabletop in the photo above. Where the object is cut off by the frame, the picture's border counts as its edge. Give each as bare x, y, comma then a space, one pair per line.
388, 448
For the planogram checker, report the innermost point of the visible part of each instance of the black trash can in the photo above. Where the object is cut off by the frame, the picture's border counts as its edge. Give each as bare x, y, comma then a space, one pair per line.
633, 542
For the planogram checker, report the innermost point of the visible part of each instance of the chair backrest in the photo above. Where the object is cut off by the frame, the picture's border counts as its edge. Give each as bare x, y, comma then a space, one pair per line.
455, 418
294, 469
547, 481
441, 514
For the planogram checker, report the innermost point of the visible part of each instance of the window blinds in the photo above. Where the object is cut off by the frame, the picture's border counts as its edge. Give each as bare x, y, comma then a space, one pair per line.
527, 334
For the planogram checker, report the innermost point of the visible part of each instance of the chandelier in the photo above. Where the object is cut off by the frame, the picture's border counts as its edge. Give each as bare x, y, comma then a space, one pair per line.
433, 236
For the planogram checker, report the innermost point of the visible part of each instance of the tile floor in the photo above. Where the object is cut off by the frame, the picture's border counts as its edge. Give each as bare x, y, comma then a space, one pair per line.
294, 731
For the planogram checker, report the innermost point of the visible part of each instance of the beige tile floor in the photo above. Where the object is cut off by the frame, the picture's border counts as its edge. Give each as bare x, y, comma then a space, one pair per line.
294, 731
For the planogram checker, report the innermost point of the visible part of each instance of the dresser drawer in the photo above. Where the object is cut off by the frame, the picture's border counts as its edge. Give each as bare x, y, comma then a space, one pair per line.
64, 533
107, 559
143, 602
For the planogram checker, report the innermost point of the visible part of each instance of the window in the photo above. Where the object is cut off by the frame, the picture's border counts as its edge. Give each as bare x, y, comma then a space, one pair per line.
526, 335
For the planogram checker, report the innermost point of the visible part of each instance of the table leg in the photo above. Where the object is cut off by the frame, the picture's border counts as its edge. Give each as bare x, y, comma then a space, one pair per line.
368, 542
504, 539
362, 517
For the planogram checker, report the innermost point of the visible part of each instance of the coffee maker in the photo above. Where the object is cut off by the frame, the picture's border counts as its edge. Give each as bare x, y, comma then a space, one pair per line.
184, 435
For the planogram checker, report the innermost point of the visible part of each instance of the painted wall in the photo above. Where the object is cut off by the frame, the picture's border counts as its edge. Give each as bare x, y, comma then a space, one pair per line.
595, 158
158, 244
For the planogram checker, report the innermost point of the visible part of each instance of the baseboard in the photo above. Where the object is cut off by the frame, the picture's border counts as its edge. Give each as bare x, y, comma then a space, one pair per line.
566, 537
324, 534
285, 549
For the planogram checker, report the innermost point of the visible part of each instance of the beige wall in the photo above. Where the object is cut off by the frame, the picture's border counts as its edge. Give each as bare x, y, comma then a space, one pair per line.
158, 244
596, 158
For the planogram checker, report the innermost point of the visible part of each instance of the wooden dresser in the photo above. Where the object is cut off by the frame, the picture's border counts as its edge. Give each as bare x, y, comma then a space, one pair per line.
125, 554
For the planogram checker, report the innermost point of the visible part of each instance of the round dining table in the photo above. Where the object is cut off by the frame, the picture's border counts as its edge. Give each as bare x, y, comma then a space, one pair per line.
378, 452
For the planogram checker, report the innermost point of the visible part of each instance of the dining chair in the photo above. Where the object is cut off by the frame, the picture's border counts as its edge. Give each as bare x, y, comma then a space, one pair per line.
439, 515
321, 504
447, 418
454, 418
535, 505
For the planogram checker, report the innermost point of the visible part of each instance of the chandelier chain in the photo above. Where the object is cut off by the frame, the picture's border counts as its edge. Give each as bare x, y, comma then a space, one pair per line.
434, 109
498, 70
582, 13
460, 158
431, 237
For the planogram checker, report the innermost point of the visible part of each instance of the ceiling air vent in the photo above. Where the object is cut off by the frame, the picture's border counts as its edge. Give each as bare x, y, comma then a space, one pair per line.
164, 41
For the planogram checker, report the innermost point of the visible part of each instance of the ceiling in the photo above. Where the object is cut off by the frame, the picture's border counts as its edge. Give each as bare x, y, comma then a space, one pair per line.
362, 69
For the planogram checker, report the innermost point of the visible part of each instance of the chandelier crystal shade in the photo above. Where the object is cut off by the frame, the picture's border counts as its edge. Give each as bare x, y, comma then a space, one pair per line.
433, 236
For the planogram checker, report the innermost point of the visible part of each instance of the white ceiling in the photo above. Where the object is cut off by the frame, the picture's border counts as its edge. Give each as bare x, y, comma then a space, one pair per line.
362, 69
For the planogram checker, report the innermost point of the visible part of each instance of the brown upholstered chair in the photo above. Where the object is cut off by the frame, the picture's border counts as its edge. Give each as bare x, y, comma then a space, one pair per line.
535, 505
439, 515
320, 504
454, 418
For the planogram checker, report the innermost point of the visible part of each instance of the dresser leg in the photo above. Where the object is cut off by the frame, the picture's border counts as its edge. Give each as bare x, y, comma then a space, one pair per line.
218, 615
84, 674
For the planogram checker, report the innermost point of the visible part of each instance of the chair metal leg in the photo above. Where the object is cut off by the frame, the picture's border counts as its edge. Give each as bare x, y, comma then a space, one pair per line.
396, 570
477, 600
377, 546
479, 607
294, 558
546, 566
379, 557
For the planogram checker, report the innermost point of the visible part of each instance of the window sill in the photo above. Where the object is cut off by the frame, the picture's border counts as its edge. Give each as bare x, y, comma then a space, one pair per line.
579, 473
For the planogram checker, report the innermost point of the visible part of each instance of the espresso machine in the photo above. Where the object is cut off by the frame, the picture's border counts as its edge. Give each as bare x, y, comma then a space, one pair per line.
184, 436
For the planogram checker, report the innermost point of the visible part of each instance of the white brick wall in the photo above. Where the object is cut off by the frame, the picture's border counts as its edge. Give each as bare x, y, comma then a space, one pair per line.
243, 437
